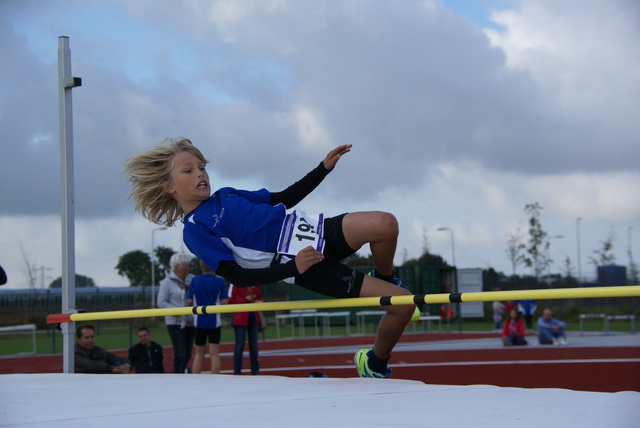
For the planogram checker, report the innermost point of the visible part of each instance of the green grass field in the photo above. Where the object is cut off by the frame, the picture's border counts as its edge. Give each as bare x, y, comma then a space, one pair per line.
112, 336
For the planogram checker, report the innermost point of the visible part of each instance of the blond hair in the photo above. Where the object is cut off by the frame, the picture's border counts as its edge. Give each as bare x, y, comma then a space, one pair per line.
147, 171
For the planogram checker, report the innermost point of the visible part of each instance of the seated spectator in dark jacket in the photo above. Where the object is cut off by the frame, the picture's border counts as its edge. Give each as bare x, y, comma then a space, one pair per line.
94, 359
146, 356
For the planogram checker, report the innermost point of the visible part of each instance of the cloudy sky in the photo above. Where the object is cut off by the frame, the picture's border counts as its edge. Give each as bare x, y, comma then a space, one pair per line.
459, 116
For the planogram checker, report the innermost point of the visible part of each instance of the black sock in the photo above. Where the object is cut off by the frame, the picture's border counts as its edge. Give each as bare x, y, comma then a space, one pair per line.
388, 278
376, 364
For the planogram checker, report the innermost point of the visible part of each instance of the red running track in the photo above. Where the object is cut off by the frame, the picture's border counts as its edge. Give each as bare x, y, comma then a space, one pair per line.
600, 369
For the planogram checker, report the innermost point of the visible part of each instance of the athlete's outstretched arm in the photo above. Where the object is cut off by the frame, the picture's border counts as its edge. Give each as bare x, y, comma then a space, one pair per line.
243, 277
293, 194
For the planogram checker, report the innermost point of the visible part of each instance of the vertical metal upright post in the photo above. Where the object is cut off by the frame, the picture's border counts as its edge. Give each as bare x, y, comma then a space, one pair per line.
65, 84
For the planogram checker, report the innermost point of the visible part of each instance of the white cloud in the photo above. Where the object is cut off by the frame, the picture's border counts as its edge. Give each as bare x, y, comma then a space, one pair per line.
580, 53
311, 131
600, 197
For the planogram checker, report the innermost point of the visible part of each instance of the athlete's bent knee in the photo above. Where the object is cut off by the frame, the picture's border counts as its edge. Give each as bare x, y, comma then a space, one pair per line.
388, 224
403, 311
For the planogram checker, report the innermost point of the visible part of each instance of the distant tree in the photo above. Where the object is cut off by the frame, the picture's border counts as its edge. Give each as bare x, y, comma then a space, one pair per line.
425, 241
405, 255
536, 249
30, 271
136, 267
633, 266
633, 269
81, 282
569, 280
492, 280
514, 251
517, 282
604, 256
568, 267
161, 266
163, 256
195, 268
427, 259
355, 261
633, 273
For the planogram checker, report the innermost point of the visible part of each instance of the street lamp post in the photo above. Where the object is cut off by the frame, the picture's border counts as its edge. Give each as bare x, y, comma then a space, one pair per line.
153, 268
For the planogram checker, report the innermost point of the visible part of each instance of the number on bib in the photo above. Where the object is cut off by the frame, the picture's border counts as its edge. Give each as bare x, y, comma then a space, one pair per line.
299, 231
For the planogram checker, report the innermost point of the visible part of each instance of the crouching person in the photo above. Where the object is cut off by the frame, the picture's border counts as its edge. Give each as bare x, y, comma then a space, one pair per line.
551, 330
513, 330
94, 359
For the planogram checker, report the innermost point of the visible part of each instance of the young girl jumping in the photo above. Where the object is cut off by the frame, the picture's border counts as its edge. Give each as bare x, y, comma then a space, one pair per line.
249, 238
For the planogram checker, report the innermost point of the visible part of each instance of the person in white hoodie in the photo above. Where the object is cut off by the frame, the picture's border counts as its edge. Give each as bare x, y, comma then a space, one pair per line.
172, 294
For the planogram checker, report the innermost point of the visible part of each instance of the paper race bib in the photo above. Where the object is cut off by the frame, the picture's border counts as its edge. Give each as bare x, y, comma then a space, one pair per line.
299, 231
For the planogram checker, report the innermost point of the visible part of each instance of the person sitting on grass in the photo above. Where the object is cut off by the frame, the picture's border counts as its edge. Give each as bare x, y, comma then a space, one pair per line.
94, 359
249, 238
513, 330
551, 330
146, 356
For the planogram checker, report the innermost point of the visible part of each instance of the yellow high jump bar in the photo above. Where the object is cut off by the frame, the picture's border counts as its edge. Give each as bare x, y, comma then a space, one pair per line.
487, 296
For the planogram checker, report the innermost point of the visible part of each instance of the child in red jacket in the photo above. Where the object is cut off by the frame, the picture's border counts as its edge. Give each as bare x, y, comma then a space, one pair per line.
513, 330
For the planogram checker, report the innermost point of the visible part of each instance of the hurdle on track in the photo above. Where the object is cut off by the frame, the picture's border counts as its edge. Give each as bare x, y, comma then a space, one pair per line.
487, 296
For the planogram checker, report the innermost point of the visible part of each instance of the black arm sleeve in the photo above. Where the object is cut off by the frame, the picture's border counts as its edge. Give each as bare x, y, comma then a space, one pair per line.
298, 190
241, 277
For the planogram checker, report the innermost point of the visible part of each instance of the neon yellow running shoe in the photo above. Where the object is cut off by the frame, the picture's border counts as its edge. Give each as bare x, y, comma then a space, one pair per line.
362, 359
416, 315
